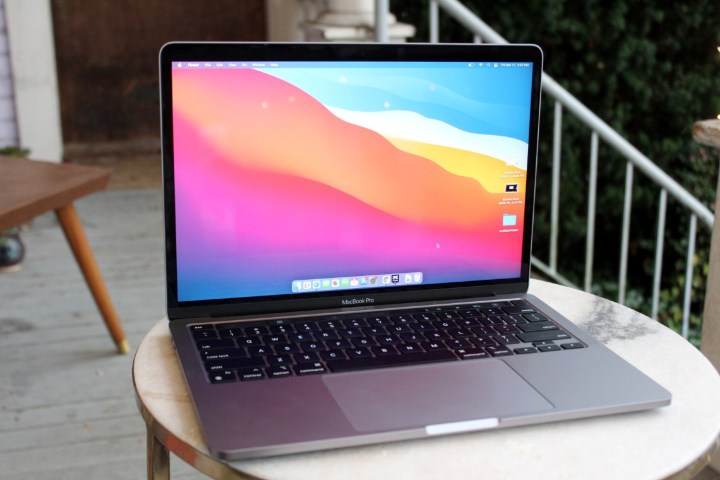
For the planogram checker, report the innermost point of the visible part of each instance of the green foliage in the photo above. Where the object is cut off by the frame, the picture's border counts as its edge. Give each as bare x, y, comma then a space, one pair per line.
14, 151
648, 69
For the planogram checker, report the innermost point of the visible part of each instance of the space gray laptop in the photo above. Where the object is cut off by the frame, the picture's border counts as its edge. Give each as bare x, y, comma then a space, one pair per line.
348, 233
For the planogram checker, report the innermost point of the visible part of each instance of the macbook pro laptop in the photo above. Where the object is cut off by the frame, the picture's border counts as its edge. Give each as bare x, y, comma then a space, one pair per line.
348, 238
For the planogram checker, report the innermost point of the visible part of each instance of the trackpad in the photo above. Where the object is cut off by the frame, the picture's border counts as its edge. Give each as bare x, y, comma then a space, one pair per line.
414, 397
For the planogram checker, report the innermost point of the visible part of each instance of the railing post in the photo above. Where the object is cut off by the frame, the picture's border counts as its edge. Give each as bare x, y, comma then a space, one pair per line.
659, 248
555, 199
382, 8
625, 236
434, 19
689, 269
592, 190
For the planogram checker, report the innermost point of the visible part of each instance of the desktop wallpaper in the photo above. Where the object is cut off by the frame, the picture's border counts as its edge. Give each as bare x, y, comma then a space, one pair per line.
292, 172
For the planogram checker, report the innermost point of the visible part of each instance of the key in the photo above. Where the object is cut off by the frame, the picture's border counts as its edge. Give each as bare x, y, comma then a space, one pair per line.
549, 348
428, 346
274, 339
412, 337
281, 329
222, 376
279, 360
327, 335
498, 351
256, 331
220, 353
338, 344
424, 317
301, 337
233, 363
306, 357
351, 333
537, 326
309, 368
506, 339
205, 334
380, 351
198, 328
535, 317
363, 342
409, 348
209, 344
312, 346
378, 321
279, 371
247, 374
388, 340
259, 351
306, 327
249, 341
471, 353
284, 348
358, 352
231, 332
374, 331
505, 329
529, 337
484, 341
333, 355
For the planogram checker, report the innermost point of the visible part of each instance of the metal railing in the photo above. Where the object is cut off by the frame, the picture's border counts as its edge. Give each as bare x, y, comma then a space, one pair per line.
599, 130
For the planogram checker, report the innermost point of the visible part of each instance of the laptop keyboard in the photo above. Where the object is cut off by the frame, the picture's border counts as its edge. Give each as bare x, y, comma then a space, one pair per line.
245, 351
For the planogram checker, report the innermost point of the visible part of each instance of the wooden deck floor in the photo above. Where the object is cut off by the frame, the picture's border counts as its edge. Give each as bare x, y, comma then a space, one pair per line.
67, 409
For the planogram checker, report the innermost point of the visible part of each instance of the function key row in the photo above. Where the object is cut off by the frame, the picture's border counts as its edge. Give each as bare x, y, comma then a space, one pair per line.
432, 330
395, 323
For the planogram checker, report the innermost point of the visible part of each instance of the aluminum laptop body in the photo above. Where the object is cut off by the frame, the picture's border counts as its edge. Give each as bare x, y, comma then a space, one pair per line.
348, 235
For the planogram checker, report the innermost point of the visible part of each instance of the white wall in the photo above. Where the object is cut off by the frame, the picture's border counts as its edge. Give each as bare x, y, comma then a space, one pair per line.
8, 121
32, 55
285, 17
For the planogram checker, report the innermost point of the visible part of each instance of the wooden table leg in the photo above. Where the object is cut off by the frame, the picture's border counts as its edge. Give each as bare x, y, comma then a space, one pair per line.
72, 227
158, 458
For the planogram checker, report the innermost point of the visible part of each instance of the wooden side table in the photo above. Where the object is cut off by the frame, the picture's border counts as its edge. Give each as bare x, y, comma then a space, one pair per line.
671, 442
29, 188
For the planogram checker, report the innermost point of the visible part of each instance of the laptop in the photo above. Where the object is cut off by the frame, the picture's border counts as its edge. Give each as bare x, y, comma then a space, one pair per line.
348, 238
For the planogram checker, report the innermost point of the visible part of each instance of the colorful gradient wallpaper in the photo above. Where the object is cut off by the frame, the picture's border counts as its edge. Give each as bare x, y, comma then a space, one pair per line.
295, 172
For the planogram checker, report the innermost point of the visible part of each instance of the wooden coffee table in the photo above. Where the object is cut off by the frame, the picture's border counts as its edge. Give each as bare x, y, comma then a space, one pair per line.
29, 188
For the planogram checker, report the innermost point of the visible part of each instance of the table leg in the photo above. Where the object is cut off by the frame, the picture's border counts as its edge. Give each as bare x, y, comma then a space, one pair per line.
158, 458
72, 227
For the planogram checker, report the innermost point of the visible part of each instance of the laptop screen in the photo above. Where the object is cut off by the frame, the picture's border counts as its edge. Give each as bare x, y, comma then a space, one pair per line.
312, 178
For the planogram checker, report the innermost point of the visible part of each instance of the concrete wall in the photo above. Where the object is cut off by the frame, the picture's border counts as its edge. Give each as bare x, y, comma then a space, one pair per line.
8, 122
32, 59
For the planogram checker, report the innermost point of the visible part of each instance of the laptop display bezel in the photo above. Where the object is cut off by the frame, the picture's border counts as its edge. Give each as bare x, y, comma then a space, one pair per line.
179, 51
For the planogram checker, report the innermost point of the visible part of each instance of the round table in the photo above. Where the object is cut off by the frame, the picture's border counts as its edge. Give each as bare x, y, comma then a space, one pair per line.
670, 442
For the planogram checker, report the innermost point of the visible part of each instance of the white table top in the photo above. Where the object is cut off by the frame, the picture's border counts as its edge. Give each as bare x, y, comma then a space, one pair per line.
667, 442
